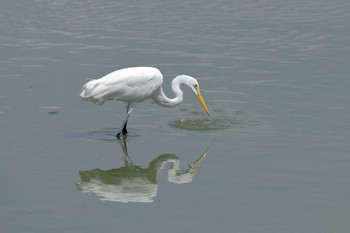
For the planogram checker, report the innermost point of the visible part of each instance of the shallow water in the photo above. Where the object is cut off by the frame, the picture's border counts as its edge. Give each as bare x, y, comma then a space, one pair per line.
273, 157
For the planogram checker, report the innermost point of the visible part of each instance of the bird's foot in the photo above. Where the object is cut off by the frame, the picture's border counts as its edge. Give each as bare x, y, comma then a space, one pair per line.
121, 135
123, 132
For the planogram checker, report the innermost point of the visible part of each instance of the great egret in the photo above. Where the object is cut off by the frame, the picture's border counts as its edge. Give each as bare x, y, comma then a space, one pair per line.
135, 84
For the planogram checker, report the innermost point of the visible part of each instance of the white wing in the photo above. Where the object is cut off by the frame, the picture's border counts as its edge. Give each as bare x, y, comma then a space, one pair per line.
133, 84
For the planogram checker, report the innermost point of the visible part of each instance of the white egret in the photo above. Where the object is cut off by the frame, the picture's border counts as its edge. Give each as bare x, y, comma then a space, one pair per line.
135, 84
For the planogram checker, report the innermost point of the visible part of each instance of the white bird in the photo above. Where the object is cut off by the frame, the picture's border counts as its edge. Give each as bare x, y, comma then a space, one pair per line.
136, 84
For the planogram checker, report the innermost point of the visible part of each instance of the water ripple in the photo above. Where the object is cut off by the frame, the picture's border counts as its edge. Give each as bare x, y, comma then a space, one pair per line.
106, 134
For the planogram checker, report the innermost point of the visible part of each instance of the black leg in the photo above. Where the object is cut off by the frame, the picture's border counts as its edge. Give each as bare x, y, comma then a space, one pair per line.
124, 131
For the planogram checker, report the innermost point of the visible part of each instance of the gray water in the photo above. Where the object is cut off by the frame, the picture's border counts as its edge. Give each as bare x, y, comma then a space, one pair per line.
273, 158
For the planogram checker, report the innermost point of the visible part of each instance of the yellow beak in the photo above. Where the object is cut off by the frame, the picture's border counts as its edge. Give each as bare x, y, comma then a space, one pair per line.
201, 100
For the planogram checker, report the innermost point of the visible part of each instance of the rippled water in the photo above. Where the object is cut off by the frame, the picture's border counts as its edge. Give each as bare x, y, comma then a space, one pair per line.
272, 158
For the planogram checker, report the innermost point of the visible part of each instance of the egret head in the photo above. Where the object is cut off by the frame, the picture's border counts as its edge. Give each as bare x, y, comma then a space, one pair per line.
198, 93
193, 84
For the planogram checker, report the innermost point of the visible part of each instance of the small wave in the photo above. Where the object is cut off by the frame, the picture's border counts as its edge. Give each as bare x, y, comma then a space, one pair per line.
219, 122
106, 134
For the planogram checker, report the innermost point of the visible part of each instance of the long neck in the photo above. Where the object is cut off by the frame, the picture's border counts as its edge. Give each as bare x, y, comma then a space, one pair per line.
160, 98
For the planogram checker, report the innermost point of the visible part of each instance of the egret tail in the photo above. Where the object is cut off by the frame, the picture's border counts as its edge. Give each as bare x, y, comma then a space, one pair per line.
94, 91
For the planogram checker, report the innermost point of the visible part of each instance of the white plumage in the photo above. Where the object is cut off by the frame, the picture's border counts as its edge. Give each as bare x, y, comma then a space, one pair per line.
135, 84
128, 85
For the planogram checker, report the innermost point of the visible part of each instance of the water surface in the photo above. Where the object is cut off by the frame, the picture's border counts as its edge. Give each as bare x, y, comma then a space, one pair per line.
275, 77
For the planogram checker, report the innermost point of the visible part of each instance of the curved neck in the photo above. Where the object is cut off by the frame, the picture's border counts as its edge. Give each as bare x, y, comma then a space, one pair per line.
160, 98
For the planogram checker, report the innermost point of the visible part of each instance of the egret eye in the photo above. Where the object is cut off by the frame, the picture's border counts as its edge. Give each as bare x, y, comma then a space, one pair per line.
195, 85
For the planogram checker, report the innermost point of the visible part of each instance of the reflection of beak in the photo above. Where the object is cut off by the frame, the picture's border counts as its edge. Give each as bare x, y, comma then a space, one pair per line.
201, 100
196, 163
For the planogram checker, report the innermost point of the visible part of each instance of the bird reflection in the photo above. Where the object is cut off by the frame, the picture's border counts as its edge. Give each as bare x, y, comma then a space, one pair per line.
132, 183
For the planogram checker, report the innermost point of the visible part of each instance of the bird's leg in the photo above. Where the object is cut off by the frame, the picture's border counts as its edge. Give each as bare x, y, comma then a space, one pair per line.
124, 131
